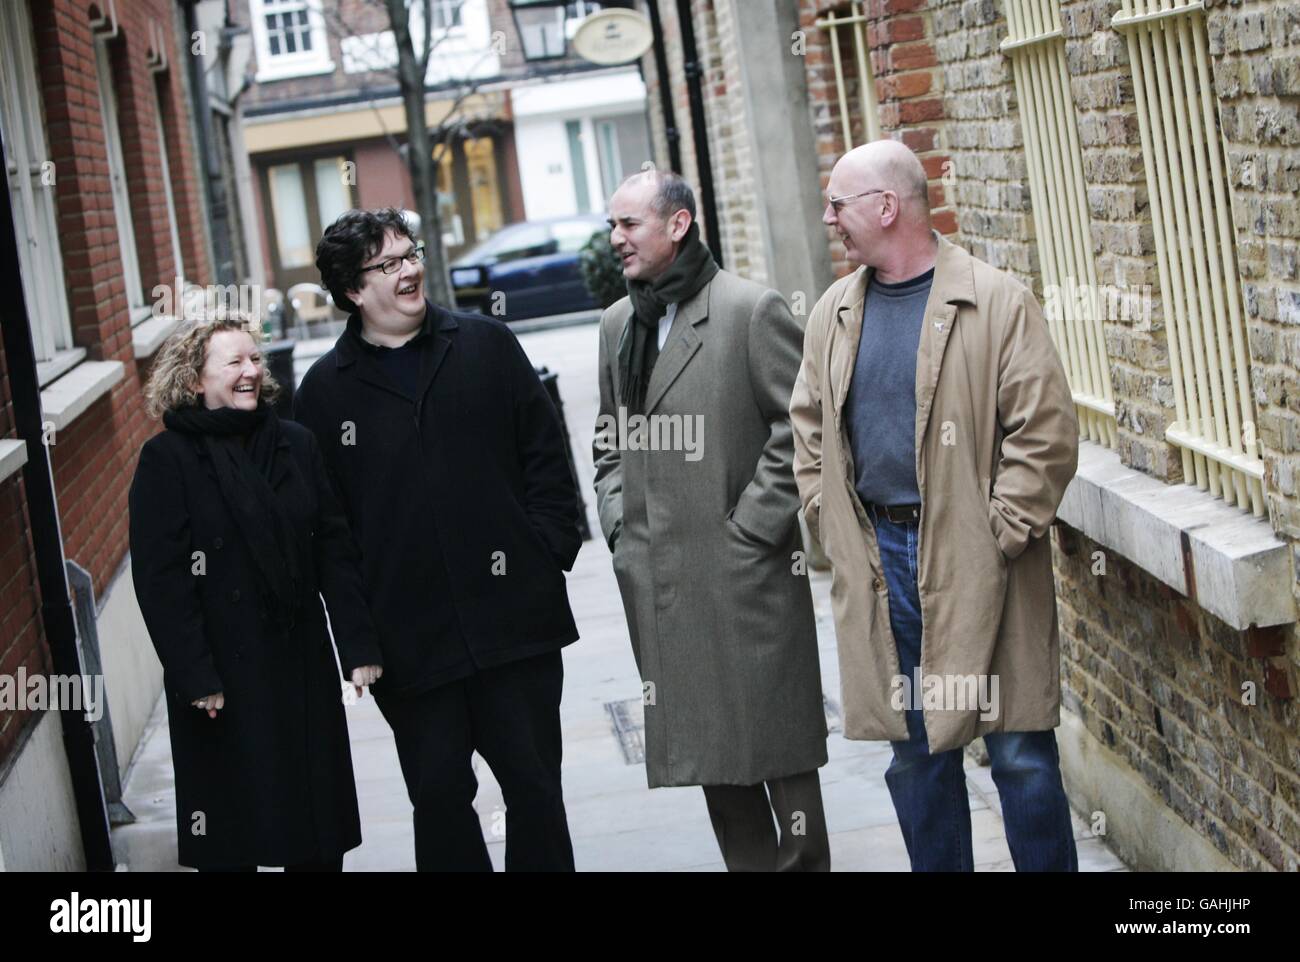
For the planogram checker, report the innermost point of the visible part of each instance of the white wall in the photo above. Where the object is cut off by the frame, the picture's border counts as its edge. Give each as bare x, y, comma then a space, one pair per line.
132, 672
544, 170
541, 112
38, 817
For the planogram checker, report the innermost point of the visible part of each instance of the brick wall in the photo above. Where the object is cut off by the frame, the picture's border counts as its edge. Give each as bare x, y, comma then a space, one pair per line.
733, 166
902, 38
1256, 51
21, 639
94, 457
986, 182
1160, 682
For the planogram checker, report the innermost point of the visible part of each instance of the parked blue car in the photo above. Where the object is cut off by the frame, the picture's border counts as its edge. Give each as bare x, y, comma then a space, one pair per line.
529, 269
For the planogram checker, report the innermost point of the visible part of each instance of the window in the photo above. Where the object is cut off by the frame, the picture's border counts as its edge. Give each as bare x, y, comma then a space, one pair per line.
846, 80
446, 14
290, 38
1182, 150
117, 182
287, 31
306, 196
31, 191
293, 235
574, 14
578, 164
1059, 198
485, 198
446, 17
179, 266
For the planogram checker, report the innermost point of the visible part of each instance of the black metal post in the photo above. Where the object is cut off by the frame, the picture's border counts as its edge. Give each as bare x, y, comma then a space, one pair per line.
673, 135
57, 619
699, 132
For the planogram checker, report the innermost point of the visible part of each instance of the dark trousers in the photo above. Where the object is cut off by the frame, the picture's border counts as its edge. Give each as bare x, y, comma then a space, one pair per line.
749, 838
511, 716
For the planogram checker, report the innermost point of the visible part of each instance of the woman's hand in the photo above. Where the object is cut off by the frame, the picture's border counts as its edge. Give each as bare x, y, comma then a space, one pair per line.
366, 675
211, 704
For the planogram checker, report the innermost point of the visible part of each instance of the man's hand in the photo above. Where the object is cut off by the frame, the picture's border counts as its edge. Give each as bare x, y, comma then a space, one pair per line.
211, 703
366, 675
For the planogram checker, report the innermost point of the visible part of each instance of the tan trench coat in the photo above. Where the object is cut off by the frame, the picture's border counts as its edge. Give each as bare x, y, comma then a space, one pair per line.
718, 606
996, 445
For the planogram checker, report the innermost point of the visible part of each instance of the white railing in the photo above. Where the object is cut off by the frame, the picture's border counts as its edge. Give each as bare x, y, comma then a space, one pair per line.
1182, 149
856, 22
1060, 208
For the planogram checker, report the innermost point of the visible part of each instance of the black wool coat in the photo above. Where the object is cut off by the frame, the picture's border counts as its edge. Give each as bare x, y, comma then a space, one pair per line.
269, 780
460, 498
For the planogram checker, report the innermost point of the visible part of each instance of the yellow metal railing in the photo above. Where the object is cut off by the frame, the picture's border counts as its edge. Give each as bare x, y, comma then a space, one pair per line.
1073, 303
1184, 157
856, 22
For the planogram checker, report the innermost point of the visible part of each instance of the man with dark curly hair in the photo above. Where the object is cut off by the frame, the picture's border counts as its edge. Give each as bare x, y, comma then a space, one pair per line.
449, 459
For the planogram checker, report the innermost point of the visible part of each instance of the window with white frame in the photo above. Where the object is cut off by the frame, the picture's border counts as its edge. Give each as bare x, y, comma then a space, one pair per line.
117, 182
575, 12
172, 224
291, 39
446, 14
30, 179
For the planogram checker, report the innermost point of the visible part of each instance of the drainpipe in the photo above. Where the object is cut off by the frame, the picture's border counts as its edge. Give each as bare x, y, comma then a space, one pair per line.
218, 211
699, 132
671, 132
57, 619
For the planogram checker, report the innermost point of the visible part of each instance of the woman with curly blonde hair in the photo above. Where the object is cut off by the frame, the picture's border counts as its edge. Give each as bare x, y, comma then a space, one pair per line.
235, 536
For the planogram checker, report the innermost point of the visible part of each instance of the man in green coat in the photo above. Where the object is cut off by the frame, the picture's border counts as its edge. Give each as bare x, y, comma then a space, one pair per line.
698, 504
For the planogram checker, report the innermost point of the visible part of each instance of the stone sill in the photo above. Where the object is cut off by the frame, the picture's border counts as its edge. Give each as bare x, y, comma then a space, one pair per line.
13, 455
59, 365
289, 71
148, 336
67, 398
1227, 561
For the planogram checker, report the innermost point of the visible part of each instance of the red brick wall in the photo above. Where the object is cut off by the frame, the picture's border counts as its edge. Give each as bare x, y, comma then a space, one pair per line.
909, 89
382, 177
94, 457
20, 631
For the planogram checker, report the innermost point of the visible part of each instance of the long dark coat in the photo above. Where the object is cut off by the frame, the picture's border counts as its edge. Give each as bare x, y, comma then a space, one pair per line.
460, 498
269, 780
707, 552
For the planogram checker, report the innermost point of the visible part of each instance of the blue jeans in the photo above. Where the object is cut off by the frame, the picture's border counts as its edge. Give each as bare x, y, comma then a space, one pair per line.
929, 791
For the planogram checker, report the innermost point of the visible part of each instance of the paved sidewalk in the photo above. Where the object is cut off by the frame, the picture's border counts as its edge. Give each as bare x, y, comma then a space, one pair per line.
616, 822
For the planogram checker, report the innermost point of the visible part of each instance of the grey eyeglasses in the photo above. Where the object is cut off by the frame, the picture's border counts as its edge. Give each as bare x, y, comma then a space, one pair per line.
837, 203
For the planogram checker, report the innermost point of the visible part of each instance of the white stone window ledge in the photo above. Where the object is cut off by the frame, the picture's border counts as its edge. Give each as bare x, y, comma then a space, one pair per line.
1227, 561
148, 336
68, 398
289, 71
13, 455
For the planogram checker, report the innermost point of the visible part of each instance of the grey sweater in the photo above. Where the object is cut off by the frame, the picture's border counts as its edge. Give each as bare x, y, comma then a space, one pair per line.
881, 406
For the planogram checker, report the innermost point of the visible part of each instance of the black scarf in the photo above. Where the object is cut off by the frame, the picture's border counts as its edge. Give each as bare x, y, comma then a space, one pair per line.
639, 348
242, 447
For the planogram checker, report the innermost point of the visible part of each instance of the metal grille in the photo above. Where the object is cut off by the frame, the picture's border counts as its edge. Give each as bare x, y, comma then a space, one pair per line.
628, 719
1184, 157
855, 21
1060, 206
